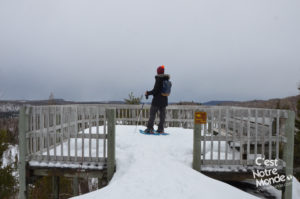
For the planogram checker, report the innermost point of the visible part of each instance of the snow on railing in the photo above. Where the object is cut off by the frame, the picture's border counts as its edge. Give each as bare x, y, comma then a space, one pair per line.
232, 138
65, 135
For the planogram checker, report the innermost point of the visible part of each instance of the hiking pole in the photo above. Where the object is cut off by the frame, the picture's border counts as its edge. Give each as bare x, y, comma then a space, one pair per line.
139, 116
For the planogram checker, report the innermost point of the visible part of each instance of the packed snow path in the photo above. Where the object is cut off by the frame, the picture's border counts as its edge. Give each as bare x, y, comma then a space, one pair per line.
160, 167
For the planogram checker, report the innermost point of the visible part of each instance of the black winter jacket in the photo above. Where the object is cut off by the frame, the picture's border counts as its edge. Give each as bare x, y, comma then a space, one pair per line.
159, 100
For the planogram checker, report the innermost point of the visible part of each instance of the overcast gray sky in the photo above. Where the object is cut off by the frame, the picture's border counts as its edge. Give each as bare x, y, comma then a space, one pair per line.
104, 49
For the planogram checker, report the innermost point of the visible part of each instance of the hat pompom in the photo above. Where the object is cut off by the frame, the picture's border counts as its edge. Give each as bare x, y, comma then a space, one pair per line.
161, 69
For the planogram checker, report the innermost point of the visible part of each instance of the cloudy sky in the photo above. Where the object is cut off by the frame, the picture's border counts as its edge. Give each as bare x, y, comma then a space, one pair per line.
104, 49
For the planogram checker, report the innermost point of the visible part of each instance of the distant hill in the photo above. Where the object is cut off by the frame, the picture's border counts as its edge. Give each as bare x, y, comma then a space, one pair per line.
284, 103
215, 103
14, 105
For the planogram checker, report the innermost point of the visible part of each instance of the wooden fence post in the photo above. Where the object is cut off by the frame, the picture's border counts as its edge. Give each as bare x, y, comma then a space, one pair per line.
55, 187
23, 128
197, 145
288, 154
75, 186
111, 121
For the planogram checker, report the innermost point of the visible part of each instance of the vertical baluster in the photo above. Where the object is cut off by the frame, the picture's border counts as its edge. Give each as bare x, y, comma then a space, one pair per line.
277, 134
263, 133
34, 132
69, 131
234, 132
90, 133
62, 118
226, 142
248, 136
270, 134
256, 132
219, 135
48, 132
105, 137
54, 131
204, 139
97, 132
76, 131
211, 134
41, 133
82, 138
241, 135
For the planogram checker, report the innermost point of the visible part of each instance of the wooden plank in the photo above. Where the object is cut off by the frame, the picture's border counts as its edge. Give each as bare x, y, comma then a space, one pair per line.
69, 173
68, 115
221, 162
97, 132
47, 114
234, 130
256, 132
55, 187
76, 131
226, 126
23, 128
62, 118
63, 159
55, 133
277, 134
205, 130
75, 186
42, 132
105, 134
211, 134
34, 129
270, 136
241, 135
87, 136
197, 147
263, 135
288, 153
248, 135
82, 133
90, 131
219, 142
111, 142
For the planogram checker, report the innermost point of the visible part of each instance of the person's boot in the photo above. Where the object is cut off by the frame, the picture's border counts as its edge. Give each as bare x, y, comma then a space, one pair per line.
160, 131
150, 131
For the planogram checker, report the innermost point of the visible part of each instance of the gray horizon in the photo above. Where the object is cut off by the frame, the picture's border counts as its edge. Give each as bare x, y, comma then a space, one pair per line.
103, 50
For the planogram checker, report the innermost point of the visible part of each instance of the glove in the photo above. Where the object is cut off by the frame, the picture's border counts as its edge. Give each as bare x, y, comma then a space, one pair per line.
146, 94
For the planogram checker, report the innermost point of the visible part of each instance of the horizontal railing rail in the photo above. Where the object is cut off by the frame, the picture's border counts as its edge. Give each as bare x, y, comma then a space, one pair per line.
233, 135
67, 134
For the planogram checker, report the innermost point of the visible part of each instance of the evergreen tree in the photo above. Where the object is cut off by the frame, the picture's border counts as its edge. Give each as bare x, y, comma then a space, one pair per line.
7, 180
132, 99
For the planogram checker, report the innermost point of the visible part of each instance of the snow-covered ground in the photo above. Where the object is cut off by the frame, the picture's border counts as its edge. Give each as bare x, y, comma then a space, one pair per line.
9, 156
158, 167
161, 167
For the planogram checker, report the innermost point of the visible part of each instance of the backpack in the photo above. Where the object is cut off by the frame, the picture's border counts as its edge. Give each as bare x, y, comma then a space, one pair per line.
166, 88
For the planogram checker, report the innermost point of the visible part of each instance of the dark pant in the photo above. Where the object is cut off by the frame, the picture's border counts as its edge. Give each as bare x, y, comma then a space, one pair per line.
162, 116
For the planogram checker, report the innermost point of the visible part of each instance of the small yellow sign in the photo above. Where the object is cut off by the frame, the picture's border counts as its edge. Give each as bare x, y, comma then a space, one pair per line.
200, 117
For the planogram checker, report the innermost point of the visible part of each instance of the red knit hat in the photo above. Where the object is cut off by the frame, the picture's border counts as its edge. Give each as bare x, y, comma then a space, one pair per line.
161, 69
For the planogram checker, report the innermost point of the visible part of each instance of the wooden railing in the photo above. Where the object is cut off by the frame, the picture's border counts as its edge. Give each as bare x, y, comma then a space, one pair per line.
232, 138
243, 134
68, 134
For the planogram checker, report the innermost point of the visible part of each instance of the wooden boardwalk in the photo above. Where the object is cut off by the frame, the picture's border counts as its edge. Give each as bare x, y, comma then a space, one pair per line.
79, 140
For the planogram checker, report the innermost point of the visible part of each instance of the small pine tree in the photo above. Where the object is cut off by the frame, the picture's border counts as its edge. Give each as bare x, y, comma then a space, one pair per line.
132, 99
51, 100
